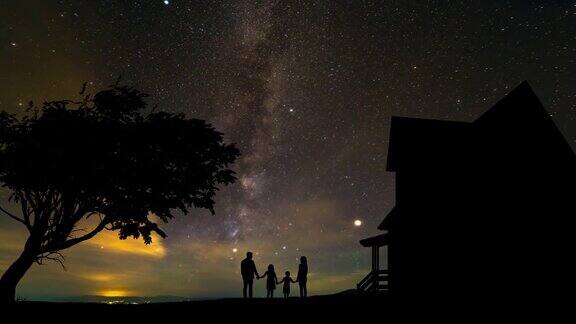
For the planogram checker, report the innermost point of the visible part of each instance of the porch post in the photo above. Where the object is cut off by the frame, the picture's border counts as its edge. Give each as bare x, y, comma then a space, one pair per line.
375, 258
372, 251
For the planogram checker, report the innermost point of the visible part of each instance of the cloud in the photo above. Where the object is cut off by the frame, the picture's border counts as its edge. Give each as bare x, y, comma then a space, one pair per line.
109, 242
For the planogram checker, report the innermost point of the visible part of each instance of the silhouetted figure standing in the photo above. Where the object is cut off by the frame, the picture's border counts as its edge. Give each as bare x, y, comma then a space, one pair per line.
248, 270
286, 288
271, 281
302, 277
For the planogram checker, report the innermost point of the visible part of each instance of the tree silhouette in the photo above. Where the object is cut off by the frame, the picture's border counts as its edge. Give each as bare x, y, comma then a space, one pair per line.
107, 158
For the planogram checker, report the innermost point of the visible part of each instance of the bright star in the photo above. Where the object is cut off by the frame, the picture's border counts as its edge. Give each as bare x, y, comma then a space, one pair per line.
357, 223
166, 2
234, 250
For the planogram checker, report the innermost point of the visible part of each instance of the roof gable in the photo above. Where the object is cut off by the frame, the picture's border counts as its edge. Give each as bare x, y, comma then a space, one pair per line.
520, 105
518, 118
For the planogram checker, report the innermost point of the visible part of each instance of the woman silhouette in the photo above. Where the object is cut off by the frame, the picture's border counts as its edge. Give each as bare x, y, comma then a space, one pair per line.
302, 276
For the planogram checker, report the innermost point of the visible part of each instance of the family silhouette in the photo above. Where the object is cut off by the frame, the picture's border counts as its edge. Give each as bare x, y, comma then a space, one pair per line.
248, 271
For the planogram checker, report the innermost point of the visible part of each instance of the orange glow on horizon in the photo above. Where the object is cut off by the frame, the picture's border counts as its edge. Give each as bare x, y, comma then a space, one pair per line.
114, 293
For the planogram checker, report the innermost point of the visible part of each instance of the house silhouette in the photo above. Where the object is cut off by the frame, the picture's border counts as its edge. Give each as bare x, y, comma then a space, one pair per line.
483, 209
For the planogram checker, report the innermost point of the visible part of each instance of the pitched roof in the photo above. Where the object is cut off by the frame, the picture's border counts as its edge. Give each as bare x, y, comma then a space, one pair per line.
520, 119
378, 240
518, 106
389, 219
518, 116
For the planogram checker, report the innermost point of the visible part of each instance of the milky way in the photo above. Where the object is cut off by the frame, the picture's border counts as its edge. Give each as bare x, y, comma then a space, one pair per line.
305, 89
257, 92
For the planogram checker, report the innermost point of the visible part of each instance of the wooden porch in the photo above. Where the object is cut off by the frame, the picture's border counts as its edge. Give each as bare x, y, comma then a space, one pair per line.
377, 279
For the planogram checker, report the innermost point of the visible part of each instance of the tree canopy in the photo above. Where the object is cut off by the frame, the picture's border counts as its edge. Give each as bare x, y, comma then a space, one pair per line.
107, 156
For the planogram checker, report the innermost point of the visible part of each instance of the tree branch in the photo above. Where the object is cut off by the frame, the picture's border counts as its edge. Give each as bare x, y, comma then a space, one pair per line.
25, 211
76, 240
16, 218
48, 256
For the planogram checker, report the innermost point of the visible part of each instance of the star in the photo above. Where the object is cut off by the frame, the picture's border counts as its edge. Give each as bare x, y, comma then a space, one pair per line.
307, 100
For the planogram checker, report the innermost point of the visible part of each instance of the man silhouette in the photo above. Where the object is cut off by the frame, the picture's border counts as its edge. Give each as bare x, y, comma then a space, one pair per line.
248, 270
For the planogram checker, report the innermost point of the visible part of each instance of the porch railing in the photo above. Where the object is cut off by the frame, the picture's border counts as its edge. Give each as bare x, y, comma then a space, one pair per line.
376, 280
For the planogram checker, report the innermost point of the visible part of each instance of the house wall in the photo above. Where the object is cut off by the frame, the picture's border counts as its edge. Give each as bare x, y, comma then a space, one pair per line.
427, 253
487, 219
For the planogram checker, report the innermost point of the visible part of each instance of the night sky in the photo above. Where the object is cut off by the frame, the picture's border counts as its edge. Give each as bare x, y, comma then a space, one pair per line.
305, 88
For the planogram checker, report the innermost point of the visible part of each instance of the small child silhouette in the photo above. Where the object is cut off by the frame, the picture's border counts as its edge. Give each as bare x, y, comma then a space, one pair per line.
271, 282
286, 280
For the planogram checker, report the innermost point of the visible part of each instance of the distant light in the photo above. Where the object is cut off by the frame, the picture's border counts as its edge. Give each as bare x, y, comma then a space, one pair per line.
166, 2
13, 44
234, 250
291, 110
284, 247
114, 293
357, 223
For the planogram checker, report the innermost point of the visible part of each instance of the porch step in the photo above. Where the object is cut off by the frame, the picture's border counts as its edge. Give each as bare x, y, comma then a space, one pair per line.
376, 280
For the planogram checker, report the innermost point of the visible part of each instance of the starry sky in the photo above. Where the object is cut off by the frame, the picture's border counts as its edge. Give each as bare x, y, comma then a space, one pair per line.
305, 89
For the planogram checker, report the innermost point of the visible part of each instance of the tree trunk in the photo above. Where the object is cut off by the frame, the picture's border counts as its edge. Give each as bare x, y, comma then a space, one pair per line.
13, 275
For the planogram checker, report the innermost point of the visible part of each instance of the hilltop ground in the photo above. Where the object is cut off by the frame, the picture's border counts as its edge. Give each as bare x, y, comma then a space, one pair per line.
340, 308
255, 310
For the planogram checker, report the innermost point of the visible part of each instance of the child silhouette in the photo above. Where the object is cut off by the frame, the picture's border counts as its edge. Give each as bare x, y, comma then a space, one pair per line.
271, 281
286, 280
